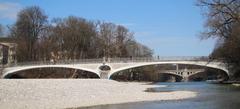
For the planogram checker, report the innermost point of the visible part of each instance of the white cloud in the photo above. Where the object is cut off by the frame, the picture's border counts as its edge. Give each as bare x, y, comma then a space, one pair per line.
9, 10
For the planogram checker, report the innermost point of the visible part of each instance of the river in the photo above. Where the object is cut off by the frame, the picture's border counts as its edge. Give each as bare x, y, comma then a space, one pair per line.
210, 96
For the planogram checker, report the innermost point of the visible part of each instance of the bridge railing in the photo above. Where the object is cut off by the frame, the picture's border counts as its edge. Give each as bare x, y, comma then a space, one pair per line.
157, 59
79, 61
115, 60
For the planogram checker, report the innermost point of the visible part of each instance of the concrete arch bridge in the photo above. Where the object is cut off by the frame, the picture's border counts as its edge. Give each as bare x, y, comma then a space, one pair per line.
106, 68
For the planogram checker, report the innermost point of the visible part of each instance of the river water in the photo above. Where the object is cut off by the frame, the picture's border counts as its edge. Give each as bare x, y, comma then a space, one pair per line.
210, 96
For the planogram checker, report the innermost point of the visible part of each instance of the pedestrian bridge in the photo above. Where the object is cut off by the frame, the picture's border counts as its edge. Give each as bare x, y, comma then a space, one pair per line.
105, 68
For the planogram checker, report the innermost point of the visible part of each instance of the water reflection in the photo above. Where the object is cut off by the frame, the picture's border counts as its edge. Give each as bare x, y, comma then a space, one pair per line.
211, 96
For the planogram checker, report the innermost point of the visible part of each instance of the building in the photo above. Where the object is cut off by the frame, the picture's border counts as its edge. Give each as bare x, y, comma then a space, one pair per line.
7, 51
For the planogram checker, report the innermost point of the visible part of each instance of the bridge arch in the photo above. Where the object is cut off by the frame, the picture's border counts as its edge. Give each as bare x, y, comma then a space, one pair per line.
226, 76
214, 65
8, 72
179, 75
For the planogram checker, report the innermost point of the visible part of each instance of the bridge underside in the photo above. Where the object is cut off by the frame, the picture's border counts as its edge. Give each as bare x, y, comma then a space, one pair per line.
52, 72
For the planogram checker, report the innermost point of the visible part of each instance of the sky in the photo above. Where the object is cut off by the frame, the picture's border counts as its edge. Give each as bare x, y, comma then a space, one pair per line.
169, 27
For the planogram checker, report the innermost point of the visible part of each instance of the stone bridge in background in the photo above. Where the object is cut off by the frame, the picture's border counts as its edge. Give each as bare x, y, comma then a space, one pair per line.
184, 73
105, 68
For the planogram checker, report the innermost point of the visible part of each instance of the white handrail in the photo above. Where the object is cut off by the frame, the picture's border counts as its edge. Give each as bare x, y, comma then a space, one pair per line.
117, 60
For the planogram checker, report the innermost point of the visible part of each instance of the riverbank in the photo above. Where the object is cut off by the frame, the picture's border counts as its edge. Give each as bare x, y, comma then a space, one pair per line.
69, 93
222, 82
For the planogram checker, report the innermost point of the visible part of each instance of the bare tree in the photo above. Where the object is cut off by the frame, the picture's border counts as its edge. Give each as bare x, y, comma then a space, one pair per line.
136, 49
221, 16
73, 37
1, 30
27, 30
123, 36
107, 37
223, 22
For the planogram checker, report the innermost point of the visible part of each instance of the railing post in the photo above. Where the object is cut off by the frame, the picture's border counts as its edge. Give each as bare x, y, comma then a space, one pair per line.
104, 60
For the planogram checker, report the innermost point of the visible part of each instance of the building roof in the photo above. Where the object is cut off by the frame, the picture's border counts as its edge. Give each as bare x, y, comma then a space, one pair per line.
7, 40
8, 44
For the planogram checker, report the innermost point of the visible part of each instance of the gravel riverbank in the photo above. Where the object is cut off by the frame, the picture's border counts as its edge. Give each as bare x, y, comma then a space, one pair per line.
68, 93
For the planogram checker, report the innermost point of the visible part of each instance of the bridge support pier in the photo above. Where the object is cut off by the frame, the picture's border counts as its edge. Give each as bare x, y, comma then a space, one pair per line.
185, 79
104, 74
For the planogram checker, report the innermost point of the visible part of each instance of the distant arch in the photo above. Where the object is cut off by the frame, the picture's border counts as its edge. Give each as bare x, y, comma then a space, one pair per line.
177, 76
123, 77
222, 72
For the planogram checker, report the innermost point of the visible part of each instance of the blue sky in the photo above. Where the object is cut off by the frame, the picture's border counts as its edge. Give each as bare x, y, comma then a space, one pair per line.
169, 27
